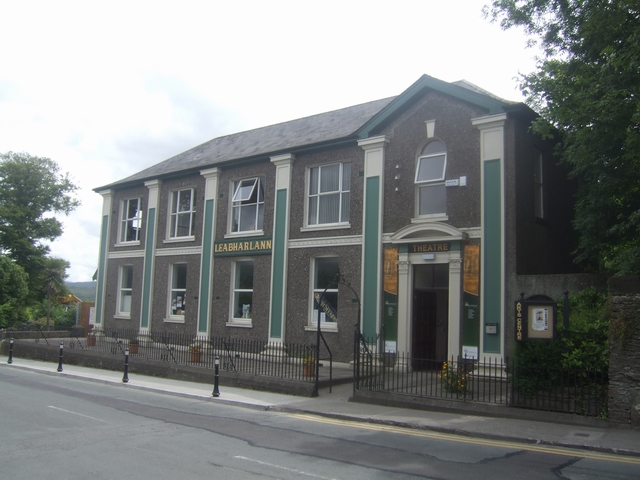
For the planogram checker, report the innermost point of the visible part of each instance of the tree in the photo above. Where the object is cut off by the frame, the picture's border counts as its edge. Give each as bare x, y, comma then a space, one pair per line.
53, 276
13, 292
31, 190
587, 89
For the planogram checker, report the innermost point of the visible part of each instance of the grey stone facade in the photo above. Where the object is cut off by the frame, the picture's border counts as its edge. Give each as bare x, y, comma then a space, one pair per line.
624, 342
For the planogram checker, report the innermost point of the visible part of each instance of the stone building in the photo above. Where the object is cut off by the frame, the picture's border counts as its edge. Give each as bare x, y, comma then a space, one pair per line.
435, 205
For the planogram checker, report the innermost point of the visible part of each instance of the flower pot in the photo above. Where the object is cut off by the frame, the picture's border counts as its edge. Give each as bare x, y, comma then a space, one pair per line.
309, 370
91, 341
133, 348
195, 357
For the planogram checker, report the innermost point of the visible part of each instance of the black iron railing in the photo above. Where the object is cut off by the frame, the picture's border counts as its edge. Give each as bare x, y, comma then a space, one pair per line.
490, 381
257, 357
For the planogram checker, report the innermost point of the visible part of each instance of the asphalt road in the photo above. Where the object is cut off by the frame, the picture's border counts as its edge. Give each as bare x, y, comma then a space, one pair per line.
57, 427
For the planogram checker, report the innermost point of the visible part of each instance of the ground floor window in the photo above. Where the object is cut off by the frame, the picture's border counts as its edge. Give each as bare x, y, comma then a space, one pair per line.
178, 291
242, 292
126, 289
325, 271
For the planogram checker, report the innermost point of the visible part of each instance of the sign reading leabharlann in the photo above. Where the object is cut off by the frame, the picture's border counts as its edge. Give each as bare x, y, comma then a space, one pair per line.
243, 246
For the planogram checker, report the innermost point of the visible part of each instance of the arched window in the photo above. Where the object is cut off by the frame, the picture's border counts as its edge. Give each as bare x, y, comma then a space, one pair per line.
431, 194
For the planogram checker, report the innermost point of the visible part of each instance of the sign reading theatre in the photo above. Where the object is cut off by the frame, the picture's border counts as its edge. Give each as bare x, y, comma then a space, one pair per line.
253, 246
429, 247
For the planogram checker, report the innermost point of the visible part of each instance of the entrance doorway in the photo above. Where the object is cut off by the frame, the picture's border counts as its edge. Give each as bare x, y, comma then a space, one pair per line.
429, 332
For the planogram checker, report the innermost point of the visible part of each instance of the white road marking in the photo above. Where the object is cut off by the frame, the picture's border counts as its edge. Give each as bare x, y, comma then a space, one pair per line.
299, 472
76, 413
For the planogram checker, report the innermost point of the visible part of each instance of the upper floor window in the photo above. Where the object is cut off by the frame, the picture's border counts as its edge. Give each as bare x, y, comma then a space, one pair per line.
126, 289
248, 205
430, 174
183, 213
178, 291
130, 220
538, 186
329, 194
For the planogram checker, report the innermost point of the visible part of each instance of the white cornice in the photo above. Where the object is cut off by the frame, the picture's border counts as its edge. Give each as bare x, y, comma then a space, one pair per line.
170, 252
373, 142
126, 254
490, 121
344, 241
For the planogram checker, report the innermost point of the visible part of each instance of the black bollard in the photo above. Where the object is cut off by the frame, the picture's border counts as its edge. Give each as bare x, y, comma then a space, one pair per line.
10, 351
60, 362
216, 391
125, 379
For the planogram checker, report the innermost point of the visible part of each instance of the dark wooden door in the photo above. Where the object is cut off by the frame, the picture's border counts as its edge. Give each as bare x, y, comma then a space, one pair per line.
423, 340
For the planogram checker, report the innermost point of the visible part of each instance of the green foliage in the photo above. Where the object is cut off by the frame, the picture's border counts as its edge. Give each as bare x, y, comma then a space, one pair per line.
31, 189
64, 316
13, 292
587, 90
52, 280
453, 377
580, 349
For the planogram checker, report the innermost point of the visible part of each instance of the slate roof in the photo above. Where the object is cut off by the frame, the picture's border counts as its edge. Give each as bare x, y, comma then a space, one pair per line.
264, 142
351, 123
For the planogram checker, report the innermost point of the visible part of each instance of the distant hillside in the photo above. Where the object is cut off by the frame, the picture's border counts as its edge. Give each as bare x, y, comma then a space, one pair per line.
83, 290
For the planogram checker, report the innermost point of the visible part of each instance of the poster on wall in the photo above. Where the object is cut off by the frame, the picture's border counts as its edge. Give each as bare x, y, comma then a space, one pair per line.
535, 320
390, 287
540, 320
470, 297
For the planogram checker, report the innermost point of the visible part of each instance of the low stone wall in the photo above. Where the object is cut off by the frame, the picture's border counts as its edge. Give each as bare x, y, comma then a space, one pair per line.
624, 344
76, 356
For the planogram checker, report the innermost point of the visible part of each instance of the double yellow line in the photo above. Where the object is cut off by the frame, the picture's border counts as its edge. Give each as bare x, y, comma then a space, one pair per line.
531, 447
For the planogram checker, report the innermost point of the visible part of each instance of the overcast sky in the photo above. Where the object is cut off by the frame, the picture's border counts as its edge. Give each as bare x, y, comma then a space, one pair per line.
109, 88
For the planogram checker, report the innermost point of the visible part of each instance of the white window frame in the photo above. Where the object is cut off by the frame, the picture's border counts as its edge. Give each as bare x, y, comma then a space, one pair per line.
434, 181
173, 315
124, 291
243, 319
241, 193
313, 200
127, 223
538, 186
175, 214
325, 324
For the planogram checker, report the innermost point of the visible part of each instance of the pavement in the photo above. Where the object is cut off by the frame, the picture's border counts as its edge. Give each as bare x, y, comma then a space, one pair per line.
336, 404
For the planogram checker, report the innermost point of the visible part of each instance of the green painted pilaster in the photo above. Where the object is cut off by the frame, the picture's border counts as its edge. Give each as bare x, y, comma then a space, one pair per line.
492, 285
146, 310
206, 260
206, 268
280, 251
492, 273
147, 278
102, 257
371, 259
372, 271
278, 266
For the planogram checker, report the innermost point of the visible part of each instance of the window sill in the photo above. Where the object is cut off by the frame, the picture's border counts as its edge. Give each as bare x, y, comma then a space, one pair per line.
173, 320
122, 317
239, 324
324, 327
191, 238
332, 226
252, 233
127, 244
431, 218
